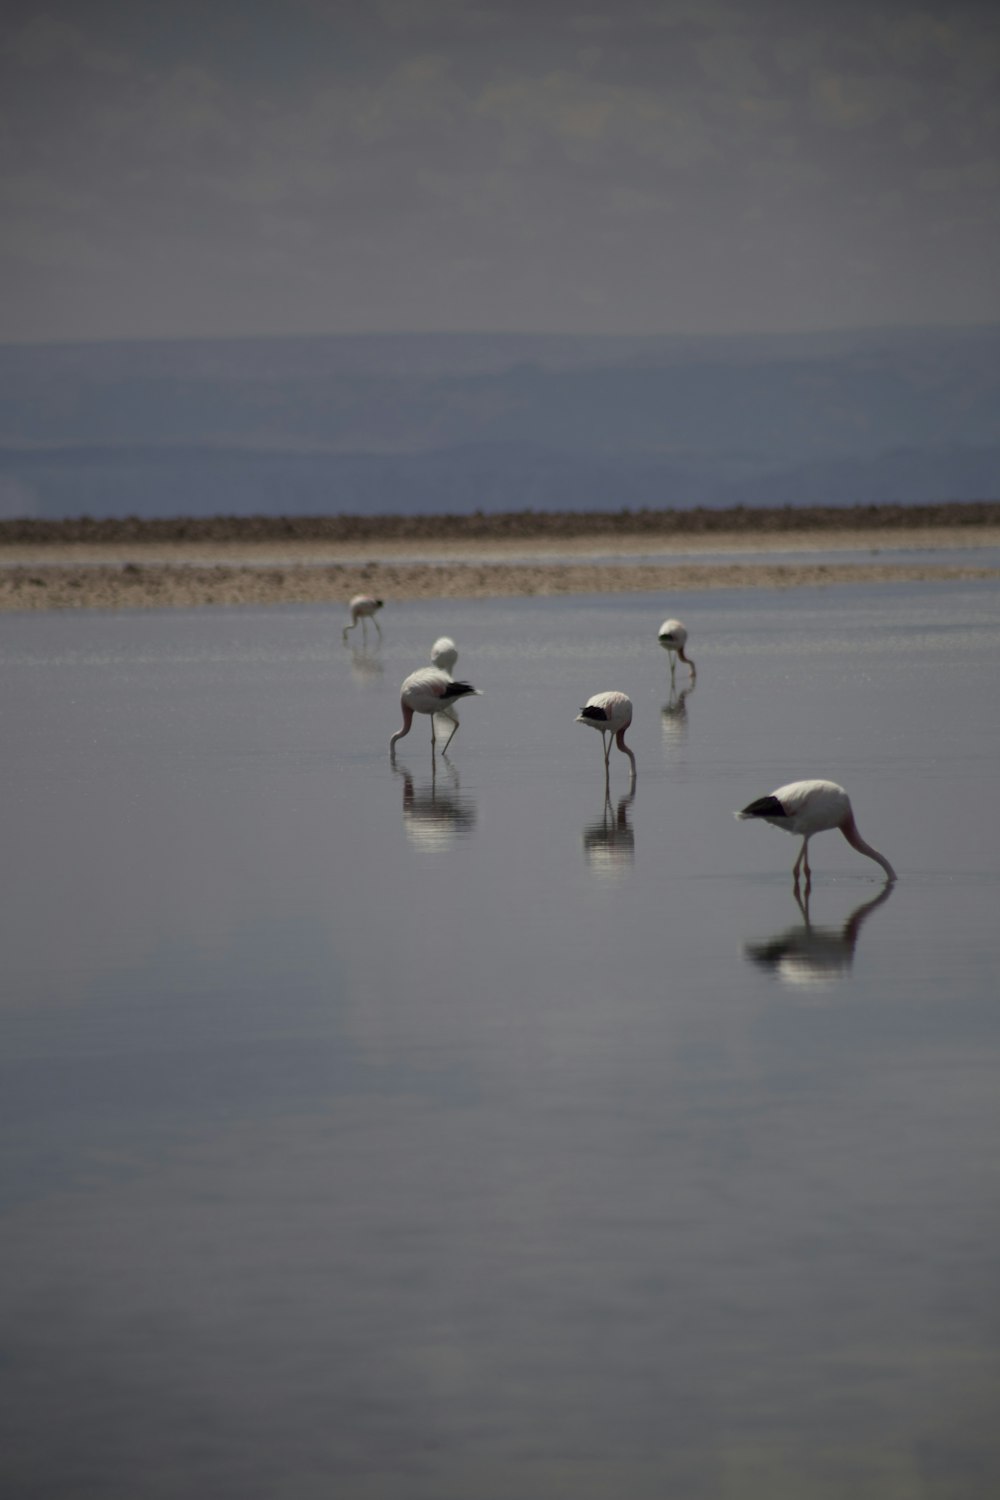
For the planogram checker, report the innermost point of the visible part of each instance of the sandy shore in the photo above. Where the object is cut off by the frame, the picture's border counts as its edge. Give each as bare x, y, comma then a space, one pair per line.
137, 566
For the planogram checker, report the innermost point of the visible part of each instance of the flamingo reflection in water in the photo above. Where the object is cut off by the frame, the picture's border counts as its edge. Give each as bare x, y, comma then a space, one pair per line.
609, 843
674, 714
813, 956
366, 665
434, 816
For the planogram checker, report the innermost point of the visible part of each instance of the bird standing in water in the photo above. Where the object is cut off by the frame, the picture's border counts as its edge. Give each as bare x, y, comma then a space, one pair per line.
672, 636
363, 607
444, 653
430, 691
808, 807
611, 713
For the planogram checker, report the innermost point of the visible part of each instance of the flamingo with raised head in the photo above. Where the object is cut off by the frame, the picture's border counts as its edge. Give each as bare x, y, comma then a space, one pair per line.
672, 636
611, 713
809, 807
444, 653
363, 607
431, 691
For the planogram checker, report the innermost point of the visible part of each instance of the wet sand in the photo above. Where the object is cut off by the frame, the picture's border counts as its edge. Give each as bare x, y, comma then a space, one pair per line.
263, 561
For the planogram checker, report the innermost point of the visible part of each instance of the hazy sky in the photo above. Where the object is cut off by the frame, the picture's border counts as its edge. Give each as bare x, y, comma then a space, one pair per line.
246, 167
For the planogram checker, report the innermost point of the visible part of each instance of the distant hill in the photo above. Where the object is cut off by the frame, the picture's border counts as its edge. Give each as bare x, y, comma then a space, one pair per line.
458, 423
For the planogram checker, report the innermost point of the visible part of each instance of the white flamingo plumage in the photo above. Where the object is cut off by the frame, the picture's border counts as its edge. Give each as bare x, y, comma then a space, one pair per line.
611, 713
363, 607
672, 636
805, 808
430, 691
444, 653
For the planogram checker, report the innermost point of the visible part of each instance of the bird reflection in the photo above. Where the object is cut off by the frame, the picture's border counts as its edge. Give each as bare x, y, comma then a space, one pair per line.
674, 714
609, 843
810, 955
366, 663
435, 815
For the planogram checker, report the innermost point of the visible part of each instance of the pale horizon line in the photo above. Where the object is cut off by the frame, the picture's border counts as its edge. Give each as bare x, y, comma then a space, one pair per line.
376, 335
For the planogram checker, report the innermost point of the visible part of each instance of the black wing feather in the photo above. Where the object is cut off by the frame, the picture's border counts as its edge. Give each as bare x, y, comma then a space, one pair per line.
458, 690
764, 807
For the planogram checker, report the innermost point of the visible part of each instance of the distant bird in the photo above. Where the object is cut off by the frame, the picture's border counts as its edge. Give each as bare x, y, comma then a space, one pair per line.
673, 638
808, 807
430, 691
363, 607
444, 653
611, 713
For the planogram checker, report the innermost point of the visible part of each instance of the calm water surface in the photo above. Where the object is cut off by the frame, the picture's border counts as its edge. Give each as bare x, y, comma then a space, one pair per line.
401, 1131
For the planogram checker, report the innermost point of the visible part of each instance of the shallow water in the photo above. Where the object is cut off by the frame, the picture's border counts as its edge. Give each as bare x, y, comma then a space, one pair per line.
980, 556
381, 1130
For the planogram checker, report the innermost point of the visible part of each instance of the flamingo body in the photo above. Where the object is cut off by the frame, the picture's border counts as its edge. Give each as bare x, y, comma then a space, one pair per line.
672, 636
805, 808
444, 653
430, 691
363, 607
611, 713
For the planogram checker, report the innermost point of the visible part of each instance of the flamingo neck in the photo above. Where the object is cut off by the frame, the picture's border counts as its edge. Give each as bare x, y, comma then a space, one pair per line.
850, 831
620, 742
407, 721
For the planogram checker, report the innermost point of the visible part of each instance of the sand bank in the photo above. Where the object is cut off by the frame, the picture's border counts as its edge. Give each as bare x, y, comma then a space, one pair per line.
264, 561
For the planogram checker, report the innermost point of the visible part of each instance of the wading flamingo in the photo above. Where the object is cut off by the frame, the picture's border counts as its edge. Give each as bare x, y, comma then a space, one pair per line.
611, 713
430, 691
444, 653
673, 638
808, 807
363, 607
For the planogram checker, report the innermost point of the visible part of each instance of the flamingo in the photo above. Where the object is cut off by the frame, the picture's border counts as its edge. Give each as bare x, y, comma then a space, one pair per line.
808, 807
673, 638
363, 607
611, 713
444, 653
430, 691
